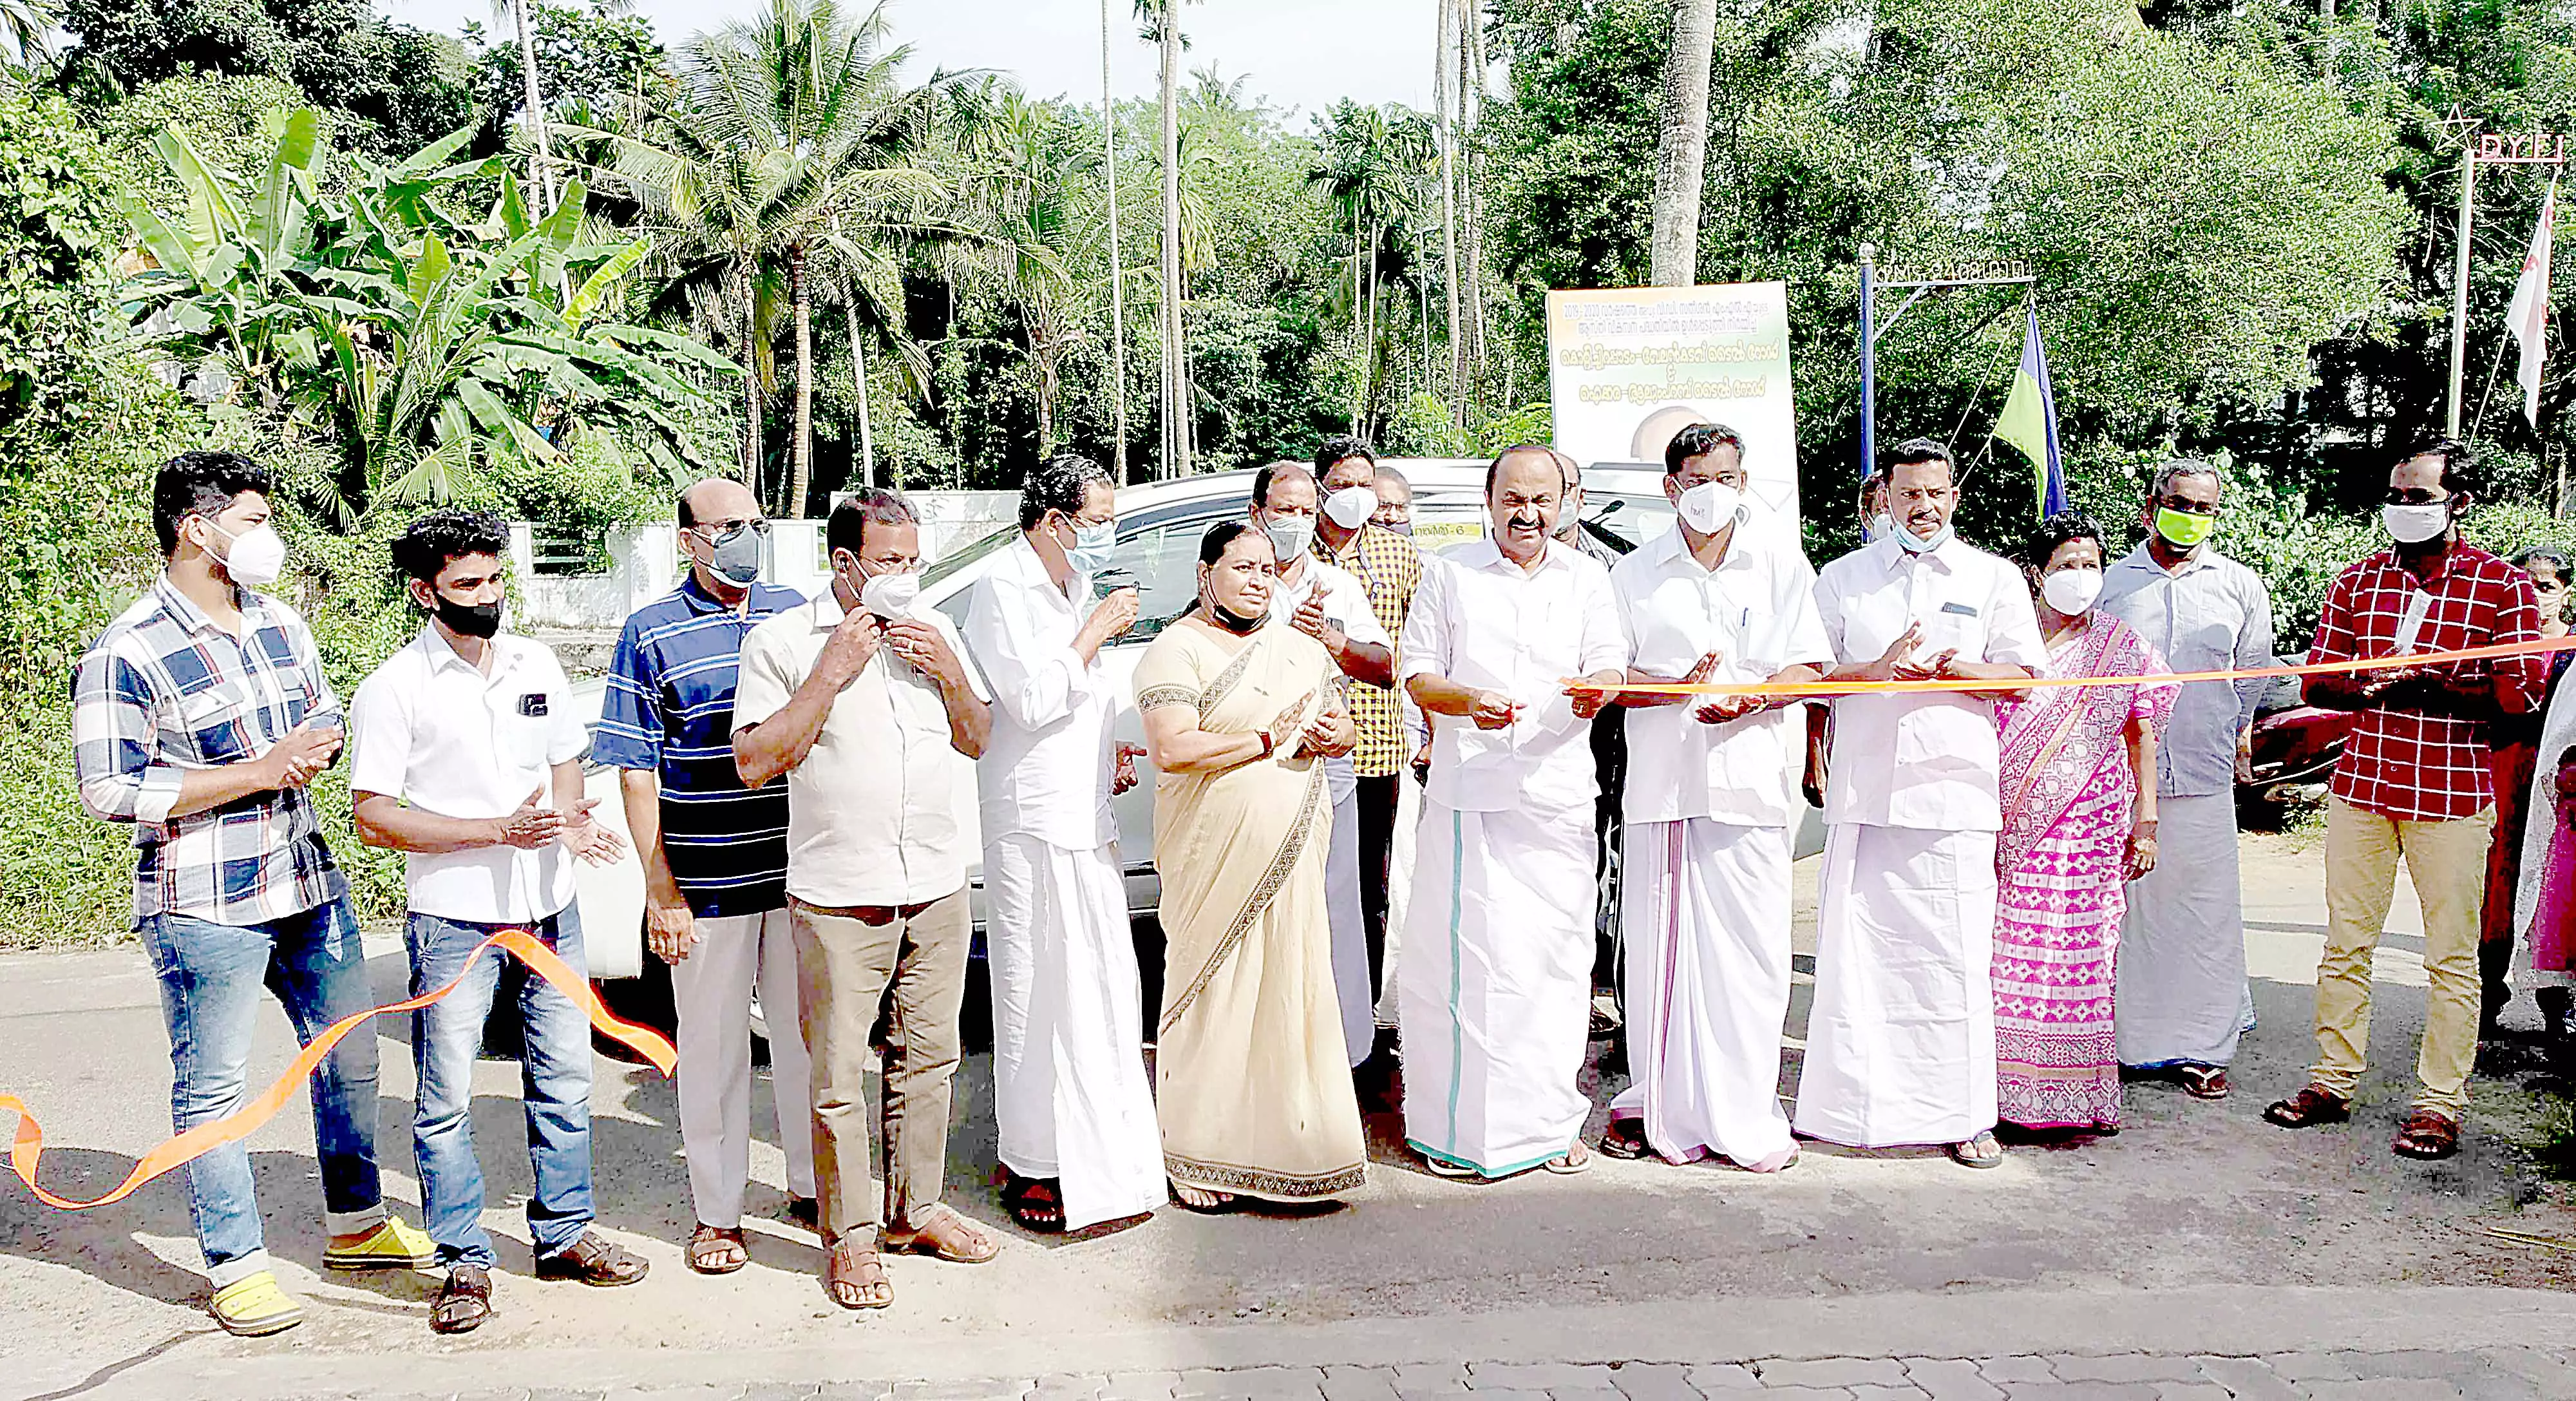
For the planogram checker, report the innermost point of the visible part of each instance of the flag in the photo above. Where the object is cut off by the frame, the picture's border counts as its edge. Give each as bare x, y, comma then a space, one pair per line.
2029, 421
2528, 317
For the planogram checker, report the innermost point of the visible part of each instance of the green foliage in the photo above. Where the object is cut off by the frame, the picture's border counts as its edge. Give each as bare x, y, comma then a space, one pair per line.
57, 226
588, 56
223, 118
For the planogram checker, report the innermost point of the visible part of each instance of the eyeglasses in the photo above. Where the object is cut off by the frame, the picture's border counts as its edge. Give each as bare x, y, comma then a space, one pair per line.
721, 531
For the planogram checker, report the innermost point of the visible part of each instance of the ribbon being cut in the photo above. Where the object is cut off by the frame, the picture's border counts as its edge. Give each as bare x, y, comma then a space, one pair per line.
179, 1151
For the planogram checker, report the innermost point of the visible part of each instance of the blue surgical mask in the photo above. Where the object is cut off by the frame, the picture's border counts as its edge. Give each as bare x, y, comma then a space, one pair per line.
1093, 545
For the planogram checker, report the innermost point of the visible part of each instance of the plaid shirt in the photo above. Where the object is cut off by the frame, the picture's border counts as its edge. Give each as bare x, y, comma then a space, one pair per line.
2410, 764
163, 691
1389, 566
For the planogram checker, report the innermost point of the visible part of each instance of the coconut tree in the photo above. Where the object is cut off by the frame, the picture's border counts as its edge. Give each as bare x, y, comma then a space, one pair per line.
1372, 166
1681, 150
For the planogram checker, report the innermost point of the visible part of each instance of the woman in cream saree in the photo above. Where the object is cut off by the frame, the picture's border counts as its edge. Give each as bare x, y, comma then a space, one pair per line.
1253, 1089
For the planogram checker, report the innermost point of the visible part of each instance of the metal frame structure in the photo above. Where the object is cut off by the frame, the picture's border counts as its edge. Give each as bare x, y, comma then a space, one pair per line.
2017, 275
2490, 148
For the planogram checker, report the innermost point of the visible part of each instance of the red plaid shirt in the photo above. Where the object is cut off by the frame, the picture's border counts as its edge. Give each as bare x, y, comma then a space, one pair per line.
2405, 763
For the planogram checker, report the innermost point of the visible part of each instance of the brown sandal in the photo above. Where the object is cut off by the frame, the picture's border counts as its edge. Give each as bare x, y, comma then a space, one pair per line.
1033, 1202
464, 1302
856, 1278
945, 1235
2427, 1134
2312, 1105
714, 1250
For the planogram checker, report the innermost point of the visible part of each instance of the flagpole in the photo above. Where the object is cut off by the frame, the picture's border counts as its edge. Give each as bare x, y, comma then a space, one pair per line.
2460, 290
1868, 362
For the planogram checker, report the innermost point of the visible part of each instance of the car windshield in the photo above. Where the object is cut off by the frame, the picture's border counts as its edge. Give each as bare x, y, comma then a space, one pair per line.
966, 554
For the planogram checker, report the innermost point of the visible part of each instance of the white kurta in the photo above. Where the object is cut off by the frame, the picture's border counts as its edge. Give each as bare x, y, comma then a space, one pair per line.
1901, 1040
2181, 972
1705, 891
1070, 1096
1495, 981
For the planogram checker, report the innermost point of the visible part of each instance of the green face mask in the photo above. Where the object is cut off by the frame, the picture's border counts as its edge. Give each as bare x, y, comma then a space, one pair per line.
2184, 529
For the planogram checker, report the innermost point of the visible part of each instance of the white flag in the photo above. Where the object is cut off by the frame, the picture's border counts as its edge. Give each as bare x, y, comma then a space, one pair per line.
2528, 317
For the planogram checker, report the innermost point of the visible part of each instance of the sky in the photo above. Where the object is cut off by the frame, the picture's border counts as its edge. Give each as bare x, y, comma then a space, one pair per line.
1297, 53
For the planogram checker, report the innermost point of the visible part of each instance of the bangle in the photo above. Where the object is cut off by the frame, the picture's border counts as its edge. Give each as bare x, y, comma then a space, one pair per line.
1267, 744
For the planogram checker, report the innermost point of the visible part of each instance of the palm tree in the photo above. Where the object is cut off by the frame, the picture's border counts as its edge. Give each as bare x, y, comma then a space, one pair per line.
1373, 165
1163, 26
785, 124
25, 25
1117, 292
1024, 168
1681, 152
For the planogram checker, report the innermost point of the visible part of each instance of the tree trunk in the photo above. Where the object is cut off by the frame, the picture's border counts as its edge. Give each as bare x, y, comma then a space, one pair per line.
1176, 460
1117, 288
1359, 319
859, 381
544, 159
1368, 347
800, 467
1681, 153
1470, 118
1441, 53
752, 405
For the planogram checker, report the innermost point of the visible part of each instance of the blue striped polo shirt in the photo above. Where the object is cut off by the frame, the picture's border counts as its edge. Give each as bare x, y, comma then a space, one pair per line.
669, 708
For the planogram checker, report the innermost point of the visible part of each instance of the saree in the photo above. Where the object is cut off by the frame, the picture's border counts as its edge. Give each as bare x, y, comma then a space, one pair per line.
2068, 794
1253, 1088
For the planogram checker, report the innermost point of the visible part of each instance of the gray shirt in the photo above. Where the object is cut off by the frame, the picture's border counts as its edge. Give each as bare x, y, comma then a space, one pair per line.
2208, 615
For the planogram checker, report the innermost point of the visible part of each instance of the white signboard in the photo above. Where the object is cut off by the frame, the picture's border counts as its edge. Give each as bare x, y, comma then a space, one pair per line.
1629, 367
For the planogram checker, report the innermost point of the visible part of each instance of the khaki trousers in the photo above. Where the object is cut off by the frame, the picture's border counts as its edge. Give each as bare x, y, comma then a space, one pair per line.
2448, 863
847, 962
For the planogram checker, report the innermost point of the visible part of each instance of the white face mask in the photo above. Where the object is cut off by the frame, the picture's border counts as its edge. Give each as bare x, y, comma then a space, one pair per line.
891, 596
256, 558
2072, 591
1922, 545
1351, 506
1710, 507
2413, 525
1289, 536
1880, 526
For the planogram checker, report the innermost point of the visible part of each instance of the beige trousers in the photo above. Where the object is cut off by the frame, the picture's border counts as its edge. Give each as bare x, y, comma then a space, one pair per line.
2448, 863
846, 962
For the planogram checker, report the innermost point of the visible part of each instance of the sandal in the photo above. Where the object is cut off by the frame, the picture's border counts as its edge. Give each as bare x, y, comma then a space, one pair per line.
2312, 1105
254, 1307
947, 1235
855, 1277
1034, 1202
1204, 1201
1982, 1151
2427, 1134
595, 1260
714, 1250
464, 1303
1576, 1158
1625, 1139
1442, 1167
2203, 1081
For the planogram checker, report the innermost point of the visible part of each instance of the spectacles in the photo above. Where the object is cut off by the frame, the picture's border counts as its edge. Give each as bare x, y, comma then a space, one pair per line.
721, 531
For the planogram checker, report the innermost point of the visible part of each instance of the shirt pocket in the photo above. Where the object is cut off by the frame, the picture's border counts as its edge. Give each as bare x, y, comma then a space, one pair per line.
214, 720
520, 740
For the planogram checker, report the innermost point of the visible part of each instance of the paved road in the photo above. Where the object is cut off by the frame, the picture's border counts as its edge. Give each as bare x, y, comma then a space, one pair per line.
2199, 1230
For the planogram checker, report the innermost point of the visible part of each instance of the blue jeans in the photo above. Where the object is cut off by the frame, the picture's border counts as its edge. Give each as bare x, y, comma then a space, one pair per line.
554, 1079
210, 977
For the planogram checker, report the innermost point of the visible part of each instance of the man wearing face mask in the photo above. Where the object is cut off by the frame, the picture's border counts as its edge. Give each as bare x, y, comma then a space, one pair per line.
200, 716
1078, 1141
1495, 980
1394, 501
1901, 1041
2181, 970
863, 701
1389, 567
1705, 895
1875, 525
1328, 605
715, 860
467, 755
2414, 783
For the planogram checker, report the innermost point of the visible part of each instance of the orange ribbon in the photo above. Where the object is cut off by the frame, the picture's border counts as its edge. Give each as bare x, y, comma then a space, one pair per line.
241, 1123
2260, 673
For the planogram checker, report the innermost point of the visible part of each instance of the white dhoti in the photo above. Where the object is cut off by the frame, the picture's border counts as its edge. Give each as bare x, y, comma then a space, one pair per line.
1070, 1097
1704, 918
1342, 909
2182, 997
1901, 1041
1496, 986
738, 958
1399, 893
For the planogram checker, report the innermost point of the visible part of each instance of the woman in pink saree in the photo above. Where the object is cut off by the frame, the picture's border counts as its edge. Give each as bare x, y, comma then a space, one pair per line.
2079, 822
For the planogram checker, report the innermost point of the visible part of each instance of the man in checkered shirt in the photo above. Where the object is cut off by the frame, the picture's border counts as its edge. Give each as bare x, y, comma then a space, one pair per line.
198, 717
2413, 782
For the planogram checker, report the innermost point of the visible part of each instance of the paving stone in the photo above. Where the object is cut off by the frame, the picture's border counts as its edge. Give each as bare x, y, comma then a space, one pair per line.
1068, 1387
2080, 1391
2421, 1362
1541, 1376
1345, 1383
1425, 1376
1950, 1379
1836, 1371
2384, 1389
1583, 1393
1907, 1392
782, 1391
2552, 1372
2015, 1369
1139, 1386
1499, 1393
1806, 1393
2126, 1367
1654, 1381
855, 1391
1717, 1379
2191, 1391
992, 1389
2305, 1367
2247, 1378
2489, 1384
1251, 1384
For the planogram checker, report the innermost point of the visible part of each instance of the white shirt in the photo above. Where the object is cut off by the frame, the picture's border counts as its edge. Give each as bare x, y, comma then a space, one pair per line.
875, 808
1757, 611
429, 728
1346, 601
1045, 771
2210, 614
1481, 622
1922, 760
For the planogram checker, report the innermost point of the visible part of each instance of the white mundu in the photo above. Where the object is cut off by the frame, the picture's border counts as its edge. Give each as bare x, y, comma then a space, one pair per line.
1345, 603
1704, 900
1070, 1098
1901, 1041
1495, 982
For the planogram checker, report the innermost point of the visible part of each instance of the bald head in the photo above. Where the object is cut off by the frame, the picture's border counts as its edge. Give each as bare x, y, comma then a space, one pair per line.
717, 499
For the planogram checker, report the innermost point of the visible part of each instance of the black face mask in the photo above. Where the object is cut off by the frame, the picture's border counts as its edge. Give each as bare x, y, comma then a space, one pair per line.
469, 619
1230, 620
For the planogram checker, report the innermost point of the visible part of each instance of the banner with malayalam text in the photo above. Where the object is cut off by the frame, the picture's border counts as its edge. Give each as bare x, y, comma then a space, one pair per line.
1628, 367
